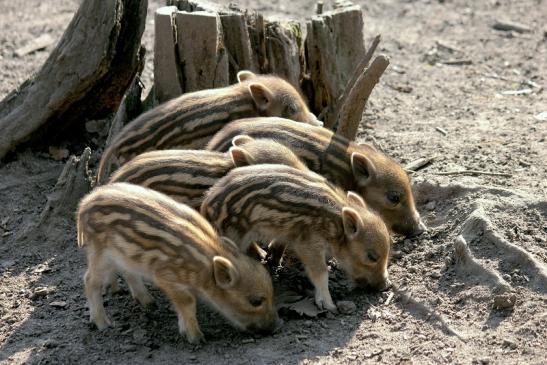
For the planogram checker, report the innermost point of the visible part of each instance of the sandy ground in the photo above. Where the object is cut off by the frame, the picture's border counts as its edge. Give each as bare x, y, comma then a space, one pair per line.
444, 311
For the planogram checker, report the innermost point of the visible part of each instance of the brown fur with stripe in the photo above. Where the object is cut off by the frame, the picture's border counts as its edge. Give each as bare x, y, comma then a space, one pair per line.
380, 180
185, 175
309, 214
139, 233
190, 120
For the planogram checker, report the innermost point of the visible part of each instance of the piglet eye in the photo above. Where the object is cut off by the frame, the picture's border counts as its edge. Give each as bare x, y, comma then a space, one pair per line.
372, 256
256, 301
393, 197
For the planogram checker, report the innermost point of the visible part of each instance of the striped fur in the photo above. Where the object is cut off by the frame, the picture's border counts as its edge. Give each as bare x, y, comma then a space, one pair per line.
190, 120
185, 175
305, 211
139, 233
375, 176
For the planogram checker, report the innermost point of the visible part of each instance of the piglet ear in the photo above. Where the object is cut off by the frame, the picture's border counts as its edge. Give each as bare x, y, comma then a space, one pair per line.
363, 169
225, 273
241, 139
356, 199
245, 75
240, 157
352, 222
262, 96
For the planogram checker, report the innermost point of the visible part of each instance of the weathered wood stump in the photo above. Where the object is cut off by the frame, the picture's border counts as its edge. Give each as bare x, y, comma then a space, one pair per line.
201, 45
84, 77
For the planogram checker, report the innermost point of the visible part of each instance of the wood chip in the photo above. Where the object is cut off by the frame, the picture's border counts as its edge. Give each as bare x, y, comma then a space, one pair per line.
508, 26
420, 163
389, 298
441, 130
517, 92
35, 45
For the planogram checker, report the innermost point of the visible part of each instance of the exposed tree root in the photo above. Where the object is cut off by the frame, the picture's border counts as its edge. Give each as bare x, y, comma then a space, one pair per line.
466, 264
478, 226
73, 183
412, 305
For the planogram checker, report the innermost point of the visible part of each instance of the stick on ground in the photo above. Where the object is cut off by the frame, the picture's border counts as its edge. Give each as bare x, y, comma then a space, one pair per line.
473, 172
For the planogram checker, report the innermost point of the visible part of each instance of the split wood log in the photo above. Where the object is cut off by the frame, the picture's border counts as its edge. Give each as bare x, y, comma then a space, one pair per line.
84, 77
167, 78
202, 57
238, 45
334, 47
351, 112
283, 44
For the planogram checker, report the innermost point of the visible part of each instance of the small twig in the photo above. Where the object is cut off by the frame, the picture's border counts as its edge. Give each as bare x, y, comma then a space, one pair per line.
441, 130
473, 172
456, 62
517, 92
420, 163
508, 26
389, 298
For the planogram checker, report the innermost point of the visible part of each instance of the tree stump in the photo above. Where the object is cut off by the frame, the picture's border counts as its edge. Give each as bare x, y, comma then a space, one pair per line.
212, 43
58, 213
84, 77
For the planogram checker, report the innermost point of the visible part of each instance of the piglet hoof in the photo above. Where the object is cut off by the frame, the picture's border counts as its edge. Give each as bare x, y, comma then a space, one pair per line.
114, 286
101, 323
195, 338
325, 304
145, 299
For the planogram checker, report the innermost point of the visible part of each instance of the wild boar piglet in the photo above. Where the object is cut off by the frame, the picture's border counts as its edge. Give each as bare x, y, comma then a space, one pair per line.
379, 179
307, 213
185, 175
191, 120
142, 234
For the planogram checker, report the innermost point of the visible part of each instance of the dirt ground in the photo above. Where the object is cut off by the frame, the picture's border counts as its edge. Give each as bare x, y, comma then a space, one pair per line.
446, 307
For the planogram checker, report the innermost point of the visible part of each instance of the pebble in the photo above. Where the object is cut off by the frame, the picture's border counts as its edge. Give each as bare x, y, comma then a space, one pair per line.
248, 340
431, 205
60, 304
504, 301
510, 344
139, 336
41, 292
346, 306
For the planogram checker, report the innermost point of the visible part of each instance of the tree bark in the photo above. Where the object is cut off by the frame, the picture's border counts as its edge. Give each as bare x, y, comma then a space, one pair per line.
84, 77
